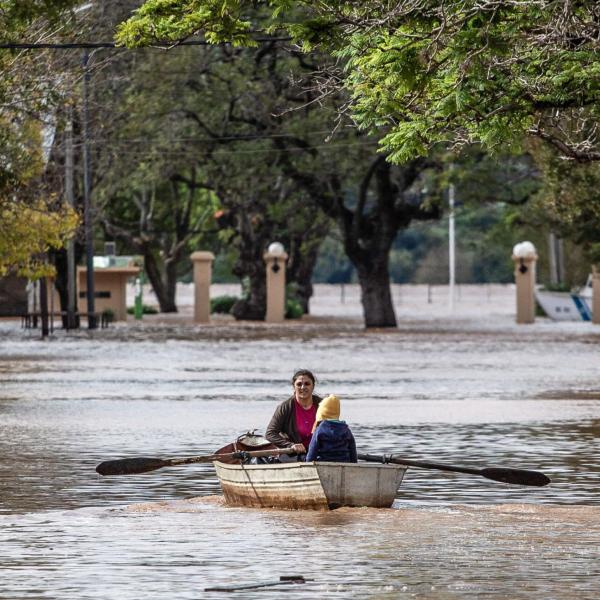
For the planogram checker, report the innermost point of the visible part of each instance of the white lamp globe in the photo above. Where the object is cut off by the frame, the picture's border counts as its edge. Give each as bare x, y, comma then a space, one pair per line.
524, 250
528, 249
276, 249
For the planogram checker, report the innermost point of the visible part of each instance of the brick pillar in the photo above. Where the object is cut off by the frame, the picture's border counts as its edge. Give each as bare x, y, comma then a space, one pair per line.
275, 261
596, 295
202, 278
525, 280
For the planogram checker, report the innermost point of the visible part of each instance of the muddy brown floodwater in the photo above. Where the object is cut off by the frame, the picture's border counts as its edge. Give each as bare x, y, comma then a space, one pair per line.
467, 392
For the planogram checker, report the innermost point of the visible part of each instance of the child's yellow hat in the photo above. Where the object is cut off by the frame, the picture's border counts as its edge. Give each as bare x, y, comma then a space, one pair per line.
329, 408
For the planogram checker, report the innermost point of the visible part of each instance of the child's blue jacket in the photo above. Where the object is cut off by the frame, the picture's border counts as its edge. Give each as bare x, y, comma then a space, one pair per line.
332, 441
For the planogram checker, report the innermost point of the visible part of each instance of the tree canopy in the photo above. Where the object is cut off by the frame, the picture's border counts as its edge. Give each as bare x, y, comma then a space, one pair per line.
32, 219
429, 72
569, 200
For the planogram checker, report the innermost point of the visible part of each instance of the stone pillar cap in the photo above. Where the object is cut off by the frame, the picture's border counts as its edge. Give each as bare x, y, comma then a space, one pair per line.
526, 259
202, 256
271, 256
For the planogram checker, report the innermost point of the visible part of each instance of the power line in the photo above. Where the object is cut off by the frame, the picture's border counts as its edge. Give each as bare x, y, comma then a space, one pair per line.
192, 152
218, 152
91, 45
47, 45
216, 139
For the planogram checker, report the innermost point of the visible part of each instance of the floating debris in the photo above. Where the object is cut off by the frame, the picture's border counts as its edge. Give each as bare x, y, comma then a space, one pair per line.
283, 580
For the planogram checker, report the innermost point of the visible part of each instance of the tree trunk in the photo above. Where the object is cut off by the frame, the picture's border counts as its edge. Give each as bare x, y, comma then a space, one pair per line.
171, 285
166, 301
250, 266
376, 296
59, 258
301, 274
254, 306
60, 282
305, 292
44, 306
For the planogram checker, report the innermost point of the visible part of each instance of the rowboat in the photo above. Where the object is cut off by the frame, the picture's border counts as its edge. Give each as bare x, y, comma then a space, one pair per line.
312, 485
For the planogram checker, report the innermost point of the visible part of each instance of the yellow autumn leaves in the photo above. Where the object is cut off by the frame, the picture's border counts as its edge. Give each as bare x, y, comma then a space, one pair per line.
28, 230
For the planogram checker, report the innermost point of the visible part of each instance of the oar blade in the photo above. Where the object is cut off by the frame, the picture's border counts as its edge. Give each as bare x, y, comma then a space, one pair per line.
130, 466
516, 476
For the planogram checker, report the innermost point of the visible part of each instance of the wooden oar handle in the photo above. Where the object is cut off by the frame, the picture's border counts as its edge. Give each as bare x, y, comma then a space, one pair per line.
502, 474
398, 460
132, 466
241, 454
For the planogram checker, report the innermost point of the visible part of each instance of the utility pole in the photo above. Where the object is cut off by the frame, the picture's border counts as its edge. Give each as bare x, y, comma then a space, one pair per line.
69, 178
87, 217
556, 254
44, 305
451, 248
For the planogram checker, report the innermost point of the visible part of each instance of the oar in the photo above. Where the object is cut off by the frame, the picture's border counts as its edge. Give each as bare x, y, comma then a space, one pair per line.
130, 466
516, 476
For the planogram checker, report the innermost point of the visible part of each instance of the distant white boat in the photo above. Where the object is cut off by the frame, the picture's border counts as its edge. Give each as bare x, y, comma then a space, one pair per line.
567, 306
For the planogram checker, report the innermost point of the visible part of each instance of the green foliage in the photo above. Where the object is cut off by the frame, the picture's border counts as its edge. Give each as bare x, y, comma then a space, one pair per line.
171, 20
431, 72
156, 199
293, 306
223, 265
333, 266
403, 264
293, 309
28, 230
569, 200
485, 235
16, 16
222, 304
31, 219
556, 287
146, 310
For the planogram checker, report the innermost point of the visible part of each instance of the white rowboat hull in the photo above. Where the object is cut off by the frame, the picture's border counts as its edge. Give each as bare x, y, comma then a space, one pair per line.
314, 485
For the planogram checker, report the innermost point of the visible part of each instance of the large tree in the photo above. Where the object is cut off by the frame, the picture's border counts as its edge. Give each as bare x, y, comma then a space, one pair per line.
451, 71
149, 198
198, 119
370, 208
234, 100
369, 199
273, 171
32, 217
162, 219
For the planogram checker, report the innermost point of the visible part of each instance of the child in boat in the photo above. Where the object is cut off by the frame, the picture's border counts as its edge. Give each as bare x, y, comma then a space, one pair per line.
332, 439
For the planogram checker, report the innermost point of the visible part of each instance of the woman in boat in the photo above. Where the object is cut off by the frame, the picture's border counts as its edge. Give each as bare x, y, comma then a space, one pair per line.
332, 439
292, 423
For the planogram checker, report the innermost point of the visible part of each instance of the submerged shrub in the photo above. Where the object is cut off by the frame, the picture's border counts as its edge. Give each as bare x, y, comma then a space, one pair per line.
146, 310
222, 304
293, 309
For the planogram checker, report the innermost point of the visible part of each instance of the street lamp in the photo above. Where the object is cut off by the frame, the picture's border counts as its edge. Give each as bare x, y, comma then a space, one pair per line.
275, 255
277, 251
524, 251
525, 257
